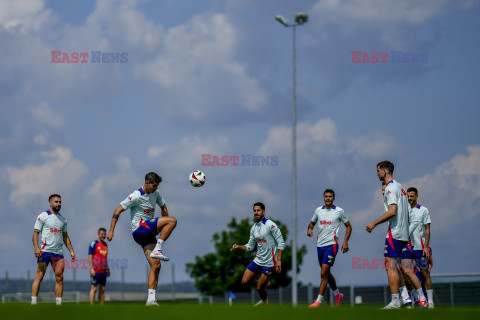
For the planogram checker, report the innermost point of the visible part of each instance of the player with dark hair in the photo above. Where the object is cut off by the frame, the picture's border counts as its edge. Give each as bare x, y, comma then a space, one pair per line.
145, 227
99, 271
396, 213
419, 249
53, 227
329, 218
266, 235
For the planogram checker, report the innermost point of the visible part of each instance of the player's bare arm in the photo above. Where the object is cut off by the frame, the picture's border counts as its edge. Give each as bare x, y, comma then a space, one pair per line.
348, 225
310, 228
36, 248
164, 210
236, 247
90, 262
426, 251
116, 215
391, 212
68, 244
278, 263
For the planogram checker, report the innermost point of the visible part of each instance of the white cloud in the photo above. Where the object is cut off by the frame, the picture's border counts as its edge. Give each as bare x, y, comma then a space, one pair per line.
59, 172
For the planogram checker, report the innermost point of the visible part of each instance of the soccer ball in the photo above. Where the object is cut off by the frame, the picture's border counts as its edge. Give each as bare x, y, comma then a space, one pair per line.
197, 178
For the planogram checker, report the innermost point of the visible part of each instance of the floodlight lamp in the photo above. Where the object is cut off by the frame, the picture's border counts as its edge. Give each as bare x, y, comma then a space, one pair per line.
301, 18
282, 20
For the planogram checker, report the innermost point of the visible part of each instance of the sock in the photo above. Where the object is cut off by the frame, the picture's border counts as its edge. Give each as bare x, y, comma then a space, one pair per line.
396, 299
34, 300
320, 299
421, 296
404, 292
413, 294
335, 292
151, 295
58, 301
159, 245
430, 295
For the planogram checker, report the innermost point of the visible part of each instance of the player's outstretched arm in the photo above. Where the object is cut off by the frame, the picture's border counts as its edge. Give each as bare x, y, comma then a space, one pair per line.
391, 212
116, 215
310, 228
36, 248
236, 247
68, 243
278, 263
426, 251
348, 225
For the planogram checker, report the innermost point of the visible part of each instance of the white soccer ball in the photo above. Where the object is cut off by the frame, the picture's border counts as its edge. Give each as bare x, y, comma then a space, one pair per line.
197, 178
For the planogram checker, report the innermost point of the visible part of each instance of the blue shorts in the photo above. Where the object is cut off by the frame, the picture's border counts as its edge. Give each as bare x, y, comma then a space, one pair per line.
255, 268
394, 247
146, 233
421, 261
48, 257
326, 255
100, 278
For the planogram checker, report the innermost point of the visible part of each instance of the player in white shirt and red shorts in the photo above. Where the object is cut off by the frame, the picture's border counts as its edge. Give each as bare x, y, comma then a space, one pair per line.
329, 218
145, 226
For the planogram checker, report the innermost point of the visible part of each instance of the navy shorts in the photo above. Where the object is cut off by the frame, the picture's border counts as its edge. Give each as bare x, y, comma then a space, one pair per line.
100, 278
255, 268
326, 255
48, 257
394, 247
146, 233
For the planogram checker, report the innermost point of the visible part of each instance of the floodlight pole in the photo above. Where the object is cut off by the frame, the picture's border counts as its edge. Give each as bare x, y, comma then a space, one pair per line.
294, 173
284, 22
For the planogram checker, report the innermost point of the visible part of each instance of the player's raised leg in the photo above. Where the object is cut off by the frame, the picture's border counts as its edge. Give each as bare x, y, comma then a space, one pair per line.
153, 273
165, 226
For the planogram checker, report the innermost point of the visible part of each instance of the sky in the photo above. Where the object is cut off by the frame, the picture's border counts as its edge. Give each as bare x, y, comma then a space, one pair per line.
215, 77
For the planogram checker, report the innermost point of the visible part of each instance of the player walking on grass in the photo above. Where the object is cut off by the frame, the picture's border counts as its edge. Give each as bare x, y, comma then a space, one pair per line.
329, 218
396, 207
145, 227
99, 271
266, 235
53, 227
420, 239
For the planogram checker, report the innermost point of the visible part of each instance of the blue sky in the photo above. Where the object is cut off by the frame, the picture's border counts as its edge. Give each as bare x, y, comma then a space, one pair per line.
215, 77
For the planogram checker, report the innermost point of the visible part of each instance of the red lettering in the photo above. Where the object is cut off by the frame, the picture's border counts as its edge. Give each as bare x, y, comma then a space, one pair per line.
374, 57
355, 57
355, 263
384, 56
365, 58
234, 160
65, 58
215, 161
84, 56
205, 158
224, 161
75, 57
55, 56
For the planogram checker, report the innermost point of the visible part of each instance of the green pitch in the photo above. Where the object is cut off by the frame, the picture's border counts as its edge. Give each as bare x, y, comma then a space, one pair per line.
179, 311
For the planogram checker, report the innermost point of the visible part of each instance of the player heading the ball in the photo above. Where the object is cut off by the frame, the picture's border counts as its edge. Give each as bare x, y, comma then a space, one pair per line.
145, 227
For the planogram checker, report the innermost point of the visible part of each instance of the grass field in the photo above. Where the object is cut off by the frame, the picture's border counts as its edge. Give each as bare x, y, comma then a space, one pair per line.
194, 311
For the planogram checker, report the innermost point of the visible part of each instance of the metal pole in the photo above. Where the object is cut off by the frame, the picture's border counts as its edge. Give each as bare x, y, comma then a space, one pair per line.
173, 282
451, 295
123, 283
352, 296
294, 177
310, 293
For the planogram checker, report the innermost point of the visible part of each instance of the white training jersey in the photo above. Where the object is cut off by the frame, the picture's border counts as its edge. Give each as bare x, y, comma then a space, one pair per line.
142, 206
52, 226
328, 224
421, 217
268, 238
398, 225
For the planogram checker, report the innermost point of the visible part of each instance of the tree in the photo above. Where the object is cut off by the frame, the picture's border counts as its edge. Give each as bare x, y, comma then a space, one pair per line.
218, 272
